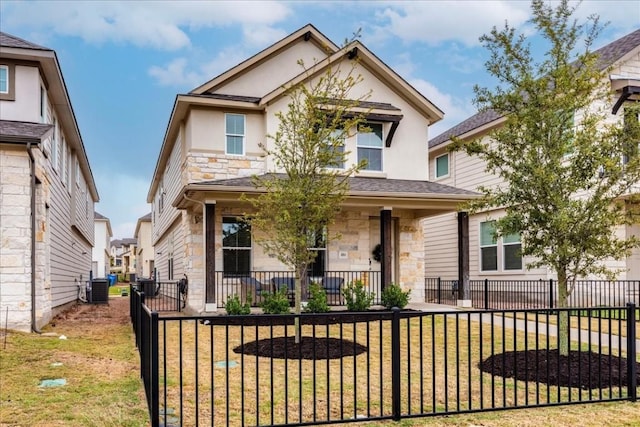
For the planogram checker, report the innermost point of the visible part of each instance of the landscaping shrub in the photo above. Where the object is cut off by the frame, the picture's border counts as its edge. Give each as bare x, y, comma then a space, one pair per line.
317, 302
394, 296
235, 307
277, 302
356, 296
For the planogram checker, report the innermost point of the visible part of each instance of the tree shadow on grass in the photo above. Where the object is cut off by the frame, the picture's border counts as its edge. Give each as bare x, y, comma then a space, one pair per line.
585, 370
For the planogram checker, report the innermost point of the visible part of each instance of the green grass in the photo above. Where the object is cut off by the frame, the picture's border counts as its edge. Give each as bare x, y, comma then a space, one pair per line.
101, 369
117, 290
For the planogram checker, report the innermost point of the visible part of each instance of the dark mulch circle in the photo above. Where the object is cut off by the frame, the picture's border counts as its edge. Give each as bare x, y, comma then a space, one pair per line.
309, 348
585, 370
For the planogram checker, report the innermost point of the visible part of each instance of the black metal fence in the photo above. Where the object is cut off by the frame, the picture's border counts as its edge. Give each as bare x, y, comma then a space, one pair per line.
255, 284
531, 294
168, 295
248, 370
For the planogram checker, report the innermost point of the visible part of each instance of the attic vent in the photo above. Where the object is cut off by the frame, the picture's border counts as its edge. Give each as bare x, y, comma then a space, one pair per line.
307, 36
353, 53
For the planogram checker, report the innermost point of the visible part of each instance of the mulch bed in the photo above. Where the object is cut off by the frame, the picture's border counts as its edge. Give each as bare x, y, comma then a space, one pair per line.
585, 370
309, 348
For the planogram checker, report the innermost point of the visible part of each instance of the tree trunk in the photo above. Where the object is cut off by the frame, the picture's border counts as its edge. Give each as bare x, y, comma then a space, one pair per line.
563, 316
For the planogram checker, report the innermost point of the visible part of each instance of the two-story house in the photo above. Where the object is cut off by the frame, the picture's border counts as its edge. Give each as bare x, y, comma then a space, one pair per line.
211, 149
123, 256
47, 191
144, 247
499, 258
101, 255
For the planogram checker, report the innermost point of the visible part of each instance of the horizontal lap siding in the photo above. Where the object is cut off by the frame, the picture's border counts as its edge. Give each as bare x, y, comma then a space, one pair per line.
441, 246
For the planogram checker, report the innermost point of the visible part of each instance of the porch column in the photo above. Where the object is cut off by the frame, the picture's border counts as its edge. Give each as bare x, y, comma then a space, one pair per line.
210, 255
464, 295
385, 244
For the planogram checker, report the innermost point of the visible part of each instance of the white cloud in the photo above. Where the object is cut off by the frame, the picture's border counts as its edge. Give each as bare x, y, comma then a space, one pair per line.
180, 73
455, 109
434, 22
122, 200
157, 24
262, 35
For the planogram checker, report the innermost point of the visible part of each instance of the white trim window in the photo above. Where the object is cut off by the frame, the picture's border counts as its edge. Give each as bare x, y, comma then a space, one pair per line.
442, 166
4, 79
336, 143
234, 134
43, 106
369, 146
504, 251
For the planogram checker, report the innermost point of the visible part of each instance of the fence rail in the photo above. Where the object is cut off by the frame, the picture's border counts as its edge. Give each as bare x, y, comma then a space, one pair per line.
253, 285
248, 370
531, 294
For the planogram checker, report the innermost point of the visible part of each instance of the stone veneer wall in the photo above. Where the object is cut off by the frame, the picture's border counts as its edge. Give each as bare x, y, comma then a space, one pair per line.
15, 240
208, 166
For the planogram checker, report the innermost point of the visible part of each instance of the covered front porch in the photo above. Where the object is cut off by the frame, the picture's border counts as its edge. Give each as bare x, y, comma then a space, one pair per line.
377, 238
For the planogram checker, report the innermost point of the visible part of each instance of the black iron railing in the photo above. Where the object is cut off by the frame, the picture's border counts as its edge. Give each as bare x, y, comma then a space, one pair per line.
253, 285
248, 370
532, 294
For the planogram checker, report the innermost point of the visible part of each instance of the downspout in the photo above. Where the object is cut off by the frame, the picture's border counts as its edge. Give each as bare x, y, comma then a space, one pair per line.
34, 326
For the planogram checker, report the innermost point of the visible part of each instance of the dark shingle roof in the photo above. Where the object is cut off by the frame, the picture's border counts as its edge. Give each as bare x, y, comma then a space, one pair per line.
146, 217
22, 131
360, 184
7, 40
97, 215
242, 98
608, 55
126, 241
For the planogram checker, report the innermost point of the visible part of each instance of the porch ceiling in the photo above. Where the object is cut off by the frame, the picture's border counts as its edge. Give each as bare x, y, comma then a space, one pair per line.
424, 197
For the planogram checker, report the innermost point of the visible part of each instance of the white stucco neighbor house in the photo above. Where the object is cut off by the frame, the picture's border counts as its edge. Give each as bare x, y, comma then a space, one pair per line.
144, 247
499, 258
211, 149
47, 191
100, 255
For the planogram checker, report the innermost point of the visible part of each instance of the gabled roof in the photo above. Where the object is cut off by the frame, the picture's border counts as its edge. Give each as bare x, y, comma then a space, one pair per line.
145, 218
203, 96
608, 56
7, 40
124, 242
15, 48
99, 217
308, 32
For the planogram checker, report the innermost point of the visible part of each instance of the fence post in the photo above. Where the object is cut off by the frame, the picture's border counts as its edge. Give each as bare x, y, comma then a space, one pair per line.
486, 294
154, 398
550, 293
439, 287
632, 380
395, 363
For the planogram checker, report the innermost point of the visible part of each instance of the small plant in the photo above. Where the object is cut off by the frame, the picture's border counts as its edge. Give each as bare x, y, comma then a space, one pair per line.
235, 307
276, 302
317, 302
356, 296
394, 296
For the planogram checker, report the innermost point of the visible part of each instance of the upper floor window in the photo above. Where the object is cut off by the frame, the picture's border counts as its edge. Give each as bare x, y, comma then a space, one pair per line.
7, 82
507, 247
43, 106
54, 144
236, 246
442, 166
336, 144
4, 79
235, 133
370, 146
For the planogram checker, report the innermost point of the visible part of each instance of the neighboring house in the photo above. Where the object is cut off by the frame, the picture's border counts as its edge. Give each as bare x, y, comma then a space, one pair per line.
100, 254
144, 252
211, 148
47, 191
123, 256
502, 258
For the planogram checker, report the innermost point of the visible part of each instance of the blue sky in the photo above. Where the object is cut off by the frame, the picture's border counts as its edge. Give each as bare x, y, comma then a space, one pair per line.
125, 61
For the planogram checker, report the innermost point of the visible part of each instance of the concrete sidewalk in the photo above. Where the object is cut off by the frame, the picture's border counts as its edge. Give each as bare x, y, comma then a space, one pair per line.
543, 328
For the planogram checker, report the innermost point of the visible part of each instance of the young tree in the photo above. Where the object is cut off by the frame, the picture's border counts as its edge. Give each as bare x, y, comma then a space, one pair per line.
566, 189
308, 148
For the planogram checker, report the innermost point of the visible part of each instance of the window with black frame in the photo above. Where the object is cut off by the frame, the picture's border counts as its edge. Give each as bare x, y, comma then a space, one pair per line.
236, 247
318, 244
